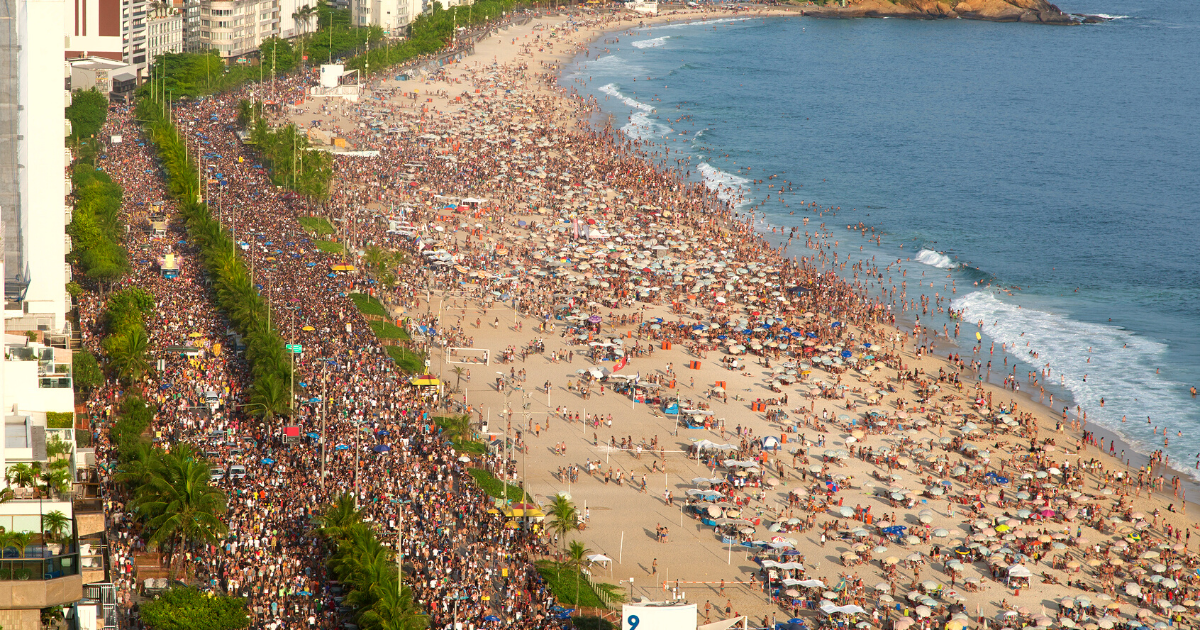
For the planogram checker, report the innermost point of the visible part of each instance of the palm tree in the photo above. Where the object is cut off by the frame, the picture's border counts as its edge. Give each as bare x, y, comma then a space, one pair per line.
565, 517
269, 397
178, 504
339, 516
21, 475
394, 610
577, 554
458, 374
127, 353
20, 540
139, 466
56, 479
55, 524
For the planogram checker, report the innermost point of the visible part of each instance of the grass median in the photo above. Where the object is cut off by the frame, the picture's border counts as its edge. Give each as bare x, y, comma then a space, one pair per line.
494, 487
562, 580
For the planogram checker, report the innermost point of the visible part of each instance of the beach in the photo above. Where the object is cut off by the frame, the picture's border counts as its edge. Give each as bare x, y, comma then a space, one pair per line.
744, 417
615, 435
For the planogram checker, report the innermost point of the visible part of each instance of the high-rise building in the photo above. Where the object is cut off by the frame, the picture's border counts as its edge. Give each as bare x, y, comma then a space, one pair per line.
132, 31
390, 15
34, 186
235, 28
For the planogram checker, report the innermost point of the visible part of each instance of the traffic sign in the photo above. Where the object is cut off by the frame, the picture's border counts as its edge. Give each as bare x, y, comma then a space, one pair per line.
294, 348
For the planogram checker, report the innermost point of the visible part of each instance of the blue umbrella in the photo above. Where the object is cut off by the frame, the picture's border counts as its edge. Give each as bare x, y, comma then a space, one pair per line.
846, 353
341, 447
835, 325
382, 448
306, 593
894, 530
811, 334
491, 618
268, 461
314, 435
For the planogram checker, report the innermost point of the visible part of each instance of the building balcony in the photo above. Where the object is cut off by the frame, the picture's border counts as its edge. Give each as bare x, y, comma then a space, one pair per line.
40, 583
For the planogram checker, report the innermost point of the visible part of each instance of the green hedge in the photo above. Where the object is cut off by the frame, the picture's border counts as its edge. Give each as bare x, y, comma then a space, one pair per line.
60, 420
186, 608
495, 487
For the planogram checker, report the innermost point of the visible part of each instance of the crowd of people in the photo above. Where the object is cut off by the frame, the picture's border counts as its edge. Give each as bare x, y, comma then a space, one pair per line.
556, 219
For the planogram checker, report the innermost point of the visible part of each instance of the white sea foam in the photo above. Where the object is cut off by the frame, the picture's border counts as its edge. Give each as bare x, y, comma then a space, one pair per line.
934, 259
699, 23
1111, 17
611, 90
652, 43
641, 126
1122, 371
729, 187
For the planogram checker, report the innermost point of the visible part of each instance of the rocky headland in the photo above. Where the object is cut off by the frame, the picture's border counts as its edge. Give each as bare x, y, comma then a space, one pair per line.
1032, 11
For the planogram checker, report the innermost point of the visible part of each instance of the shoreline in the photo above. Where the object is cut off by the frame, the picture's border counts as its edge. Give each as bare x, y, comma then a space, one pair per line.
1135, 459
616, 509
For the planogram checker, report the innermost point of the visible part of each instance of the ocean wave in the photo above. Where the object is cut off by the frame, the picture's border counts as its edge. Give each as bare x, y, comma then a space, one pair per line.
1122, 370
729, 187
1111, 17
700, 23
611, 90
934, 259
641, 126
652, 43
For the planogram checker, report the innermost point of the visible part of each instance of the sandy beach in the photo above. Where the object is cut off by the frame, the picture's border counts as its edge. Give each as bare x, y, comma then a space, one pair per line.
827, 445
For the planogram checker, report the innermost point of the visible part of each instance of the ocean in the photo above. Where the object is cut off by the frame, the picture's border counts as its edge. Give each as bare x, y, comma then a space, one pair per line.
1049, 177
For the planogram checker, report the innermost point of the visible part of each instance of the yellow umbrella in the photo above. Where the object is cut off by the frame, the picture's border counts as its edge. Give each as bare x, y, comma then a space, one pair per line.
308, 328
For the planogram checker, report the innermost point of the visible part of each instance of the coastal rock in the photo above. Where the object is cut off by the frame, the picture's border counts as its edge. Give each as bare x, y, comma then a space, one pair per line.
1029, 11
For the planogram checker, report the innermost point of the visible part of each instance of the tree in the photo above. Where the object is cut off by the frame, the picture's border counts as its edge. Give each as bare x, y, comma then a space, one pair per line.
565, 517
338, 516
20, 540
186, 608
245, 113
87, 113
85, 371
55, 524
179, 505
269, 397
22, 475
127, 354
577, 554
139, 465
394, 610
458, 374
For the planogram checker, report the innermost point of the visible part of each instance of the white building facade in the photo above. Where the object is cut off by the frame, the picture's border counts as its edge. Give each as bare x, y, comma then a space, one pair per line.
235, 28
35, 238
393, 16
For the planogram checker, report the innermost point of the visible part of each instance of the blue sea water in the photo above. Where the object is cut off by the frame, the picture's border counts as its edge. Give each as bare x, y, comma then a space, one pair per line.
1061, 164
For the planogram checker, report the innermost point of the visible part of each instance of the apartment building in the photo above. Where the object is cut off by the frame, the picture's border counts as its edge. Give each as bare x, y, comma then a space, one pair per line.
235, 28
33, 162
390, 15
131, 31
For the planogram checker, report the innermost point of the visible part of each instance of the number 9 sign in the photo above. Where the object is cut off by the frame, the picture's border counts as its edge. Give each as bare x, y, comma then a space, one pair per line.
658, 617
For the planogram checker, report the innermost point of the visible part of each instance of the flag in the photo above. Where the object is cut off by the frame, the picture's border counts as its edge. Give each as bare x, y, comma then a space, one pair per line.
621, 363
